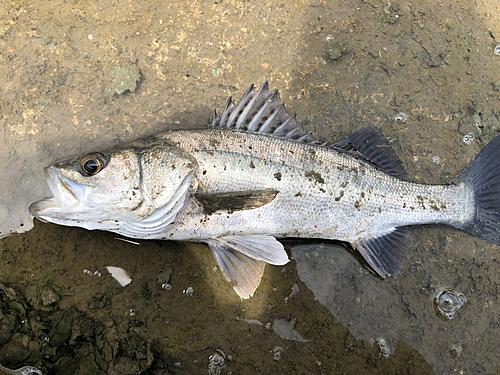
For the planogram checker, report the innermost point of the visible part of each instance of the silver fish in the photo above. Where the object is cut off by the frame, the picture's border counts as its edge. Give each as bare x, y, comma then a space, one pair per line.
253, 176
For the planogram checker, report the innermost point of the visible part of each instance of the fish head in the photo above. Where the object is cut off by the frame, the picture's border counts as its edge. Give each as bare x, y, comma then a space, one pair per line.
106, 190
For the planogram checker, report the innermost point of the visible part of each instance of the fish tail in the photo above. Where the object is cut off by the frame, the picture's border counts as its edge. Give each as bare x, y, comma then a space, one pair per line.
483, 175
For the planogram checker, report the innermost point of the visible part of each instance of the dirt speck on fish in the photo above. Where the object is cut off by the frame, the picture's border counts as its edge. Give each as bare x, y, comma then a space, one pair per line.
253, 176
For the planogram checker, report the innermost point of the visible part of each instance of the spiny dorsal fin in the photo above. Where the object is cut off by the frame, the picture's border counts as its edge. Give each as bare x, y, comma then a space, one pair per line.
261, 112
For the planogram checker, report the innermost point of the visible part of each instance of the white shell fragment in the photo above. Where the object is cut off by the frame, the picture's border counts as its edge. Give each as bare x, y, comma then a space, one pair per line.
119, 275
401, 117
251, 321
468, 139
216, 363
385, 350
277, 353
26, 370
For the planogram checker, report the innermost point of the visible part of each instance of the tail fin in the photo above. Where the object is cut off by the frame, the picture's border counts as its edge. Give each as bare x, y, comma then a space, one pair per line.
484, 177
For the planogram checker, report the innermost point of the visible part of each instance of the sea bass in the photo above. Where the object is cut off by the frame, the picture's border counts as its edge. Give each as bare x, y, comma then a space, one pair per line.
253, 176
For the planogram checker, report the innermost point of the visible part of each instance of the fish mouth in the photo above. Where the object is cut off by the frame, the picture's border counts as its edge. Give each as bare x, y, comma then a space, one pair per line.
68, 195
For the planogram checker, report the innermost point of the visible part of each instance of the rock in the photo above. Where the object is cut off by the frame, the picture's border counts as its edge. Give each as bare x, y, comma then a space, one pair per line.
164, 276
336, 49
48, 296
99, 302
123, 78
42, 297
125, 366
16, 350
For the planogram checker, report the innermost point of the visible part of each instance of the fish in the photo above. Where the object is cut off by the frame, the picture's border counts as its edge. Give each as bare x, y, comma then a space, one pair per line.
25, 370
252, 177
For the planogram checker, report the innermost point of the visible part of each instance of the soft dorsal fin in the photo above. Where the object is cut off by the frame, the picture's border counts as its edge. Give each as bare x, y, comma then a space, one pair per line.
260, 111
373, 145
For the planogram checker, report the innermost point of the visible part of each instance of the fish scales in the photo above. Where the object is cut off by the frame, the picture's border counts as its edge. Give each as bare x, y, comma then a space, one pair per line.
238, 190
353, 193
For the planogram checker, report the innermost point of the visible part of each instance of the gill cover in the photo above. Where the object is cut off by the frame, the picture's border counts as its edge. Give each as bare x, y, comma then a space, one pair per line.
166, 178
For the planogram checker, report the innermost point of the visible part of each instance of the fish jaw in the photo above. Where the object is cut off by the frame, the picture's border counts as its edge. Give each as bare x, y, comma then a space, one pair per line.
68, 194
49, 211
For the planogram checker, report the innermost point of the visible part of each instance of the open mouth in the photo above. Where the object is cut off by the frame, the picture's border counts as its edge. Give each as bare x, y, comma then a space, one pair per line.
67, 194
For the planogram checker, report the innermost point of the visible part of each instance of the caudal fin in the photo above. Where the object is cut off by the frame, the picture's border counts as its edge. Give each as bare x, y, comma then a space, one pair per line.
483, 175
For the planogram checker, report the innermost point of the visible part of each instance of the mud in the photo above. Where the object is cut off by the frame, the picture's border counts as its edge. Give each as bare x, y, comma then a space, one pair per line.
424, 72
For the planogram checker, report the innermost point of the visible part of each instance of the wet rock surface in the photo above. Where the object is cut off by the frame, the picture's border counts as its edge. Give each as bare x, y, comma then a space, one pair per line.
425, 73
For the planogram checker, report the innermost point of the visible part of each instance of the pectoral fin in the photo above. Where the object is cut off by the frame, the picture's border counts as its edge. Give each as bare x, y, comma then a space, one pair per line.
242, 259
235, 201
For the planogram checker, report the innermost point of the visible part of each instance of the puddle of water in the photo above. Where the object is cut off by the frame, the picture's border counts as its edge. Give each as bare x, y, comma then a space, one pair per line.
402, 309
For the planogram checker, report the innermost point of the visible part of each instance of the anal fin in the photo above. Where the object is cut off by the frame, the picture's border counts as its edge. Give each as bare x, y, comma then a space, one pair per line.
242, 259
385, 254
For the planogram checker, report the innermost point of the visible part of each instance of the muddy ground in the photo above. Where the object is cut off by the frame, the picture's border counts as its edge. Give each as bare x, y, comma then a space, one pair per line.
425, 73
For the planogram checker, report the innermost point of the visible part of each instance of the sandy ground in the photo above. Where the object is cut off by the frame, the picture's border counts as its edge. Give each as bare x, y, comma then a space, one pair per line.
341, 65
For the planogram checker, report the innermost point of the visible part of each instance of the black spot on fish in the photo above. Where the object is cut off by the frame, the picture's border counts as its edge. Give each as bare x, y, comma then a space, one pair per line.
322, 190
362, 194
315, 176
357, 205
204, 172
278, 176
337, 199
299, 194
252, 165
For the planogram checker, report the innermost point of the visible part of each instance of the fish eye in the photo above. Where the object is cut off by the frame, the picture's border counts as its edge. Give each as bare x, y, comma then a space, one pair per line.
92, 164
